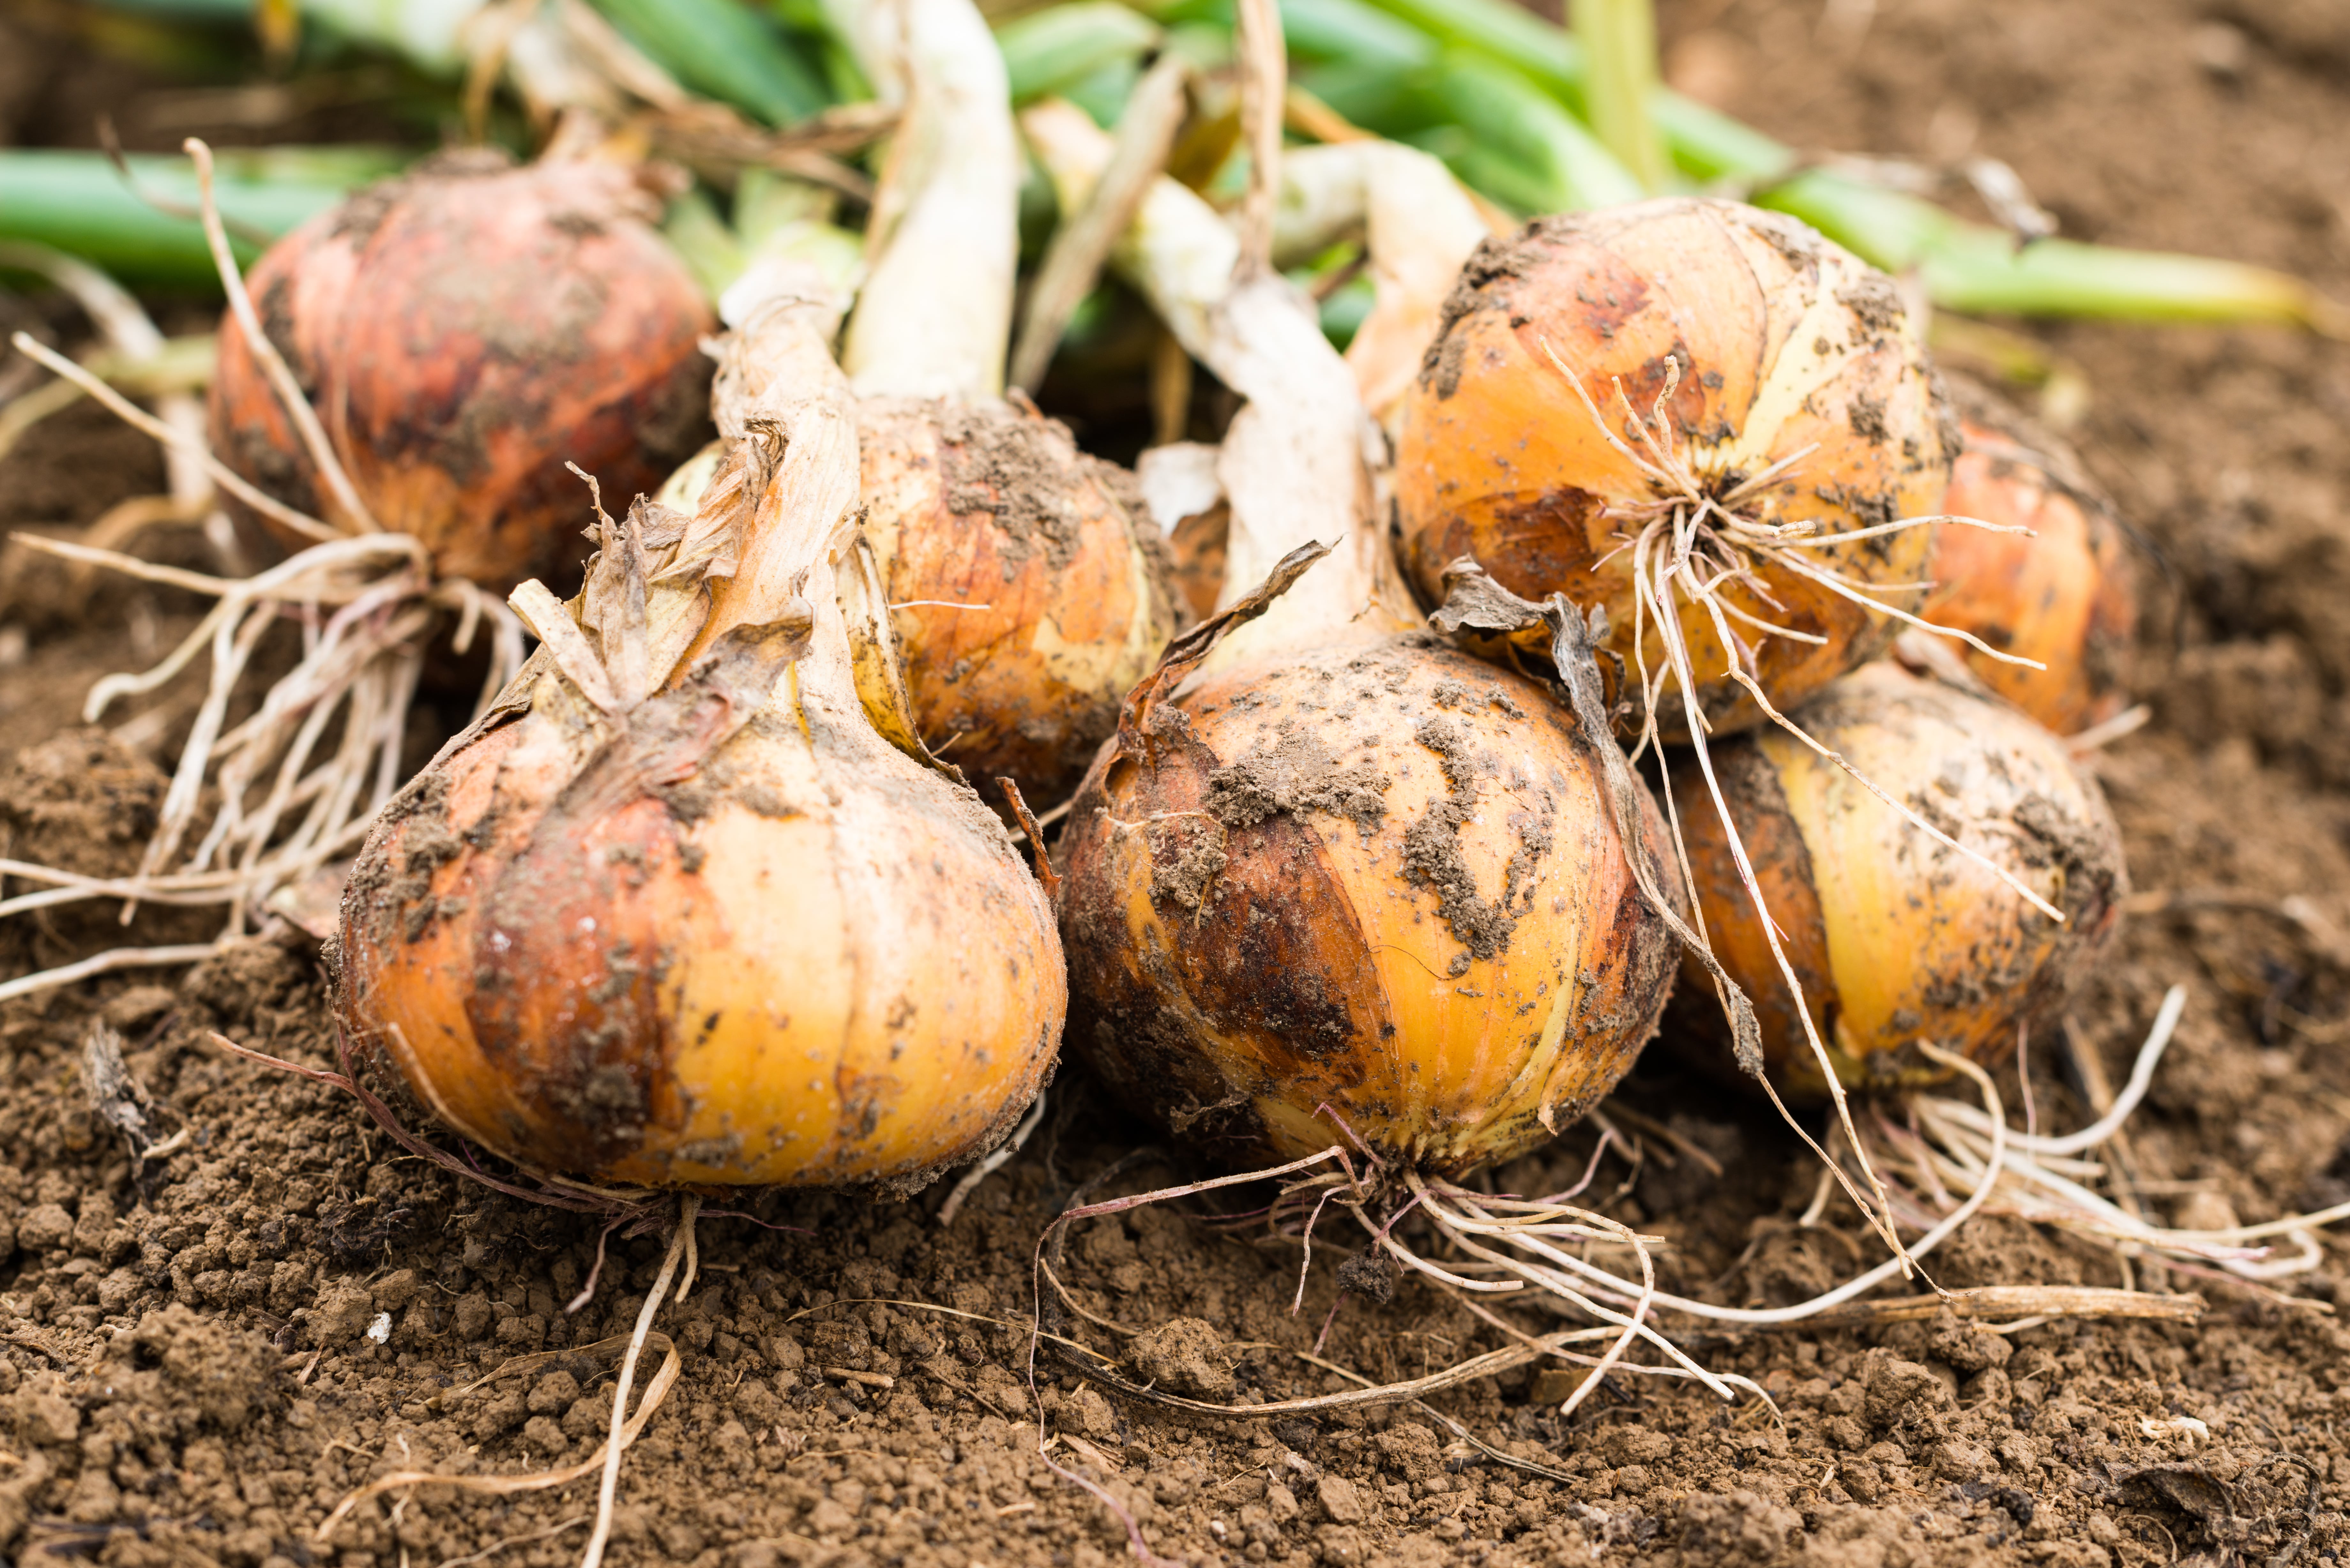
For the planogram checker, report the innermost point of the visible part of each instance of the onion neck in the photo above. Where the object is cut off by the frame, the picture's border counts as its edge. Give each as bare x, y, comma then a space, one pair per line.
1419, 228
780, 509
935, 315
1298, 461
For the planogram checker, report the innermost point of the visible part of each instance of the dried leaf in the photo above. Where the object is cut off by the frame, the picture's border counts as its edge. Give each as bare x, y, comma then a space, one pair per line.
1183, 655
118, 1096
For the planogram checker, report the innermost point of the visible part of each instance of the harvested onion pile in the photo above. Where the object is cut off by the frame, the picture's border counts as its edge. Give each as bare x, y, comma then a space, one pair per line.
673, 913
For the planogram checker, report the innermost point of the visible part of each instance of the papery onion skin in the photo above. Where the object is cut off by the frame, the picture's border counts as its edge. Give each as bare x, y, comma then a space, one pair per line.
1379, 878
2065, 595
1783, 340
1894, 937
463, 331
810, 962
987, 507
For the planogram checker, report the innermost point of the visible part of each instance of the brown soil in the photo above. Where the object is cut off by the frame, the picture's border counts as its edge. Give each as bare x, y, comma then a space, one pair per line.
186, 1374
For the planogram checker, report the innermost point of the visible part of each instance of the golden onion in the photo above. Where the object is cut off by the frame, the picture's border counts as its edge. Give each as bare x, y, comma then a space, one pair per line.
2062, 595
1026, 595
1364, 891
673, 913
1707, 373
1896, 938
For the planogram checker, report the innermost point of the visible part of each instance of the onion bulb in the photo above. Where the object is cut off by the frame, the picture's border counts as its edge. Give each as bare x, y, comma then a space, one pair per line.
673, 913
1344, 884
1692, 403
2061, 595
1026, 596
1025, 588
1368, 893
1894, 937
463, 331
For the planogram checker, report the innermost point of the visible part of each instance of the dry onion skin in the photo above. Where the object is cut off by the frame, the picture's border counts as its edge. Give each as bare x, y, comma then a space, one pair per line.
674, 913
1895, 937
2063, 595
463, 331
1800, 394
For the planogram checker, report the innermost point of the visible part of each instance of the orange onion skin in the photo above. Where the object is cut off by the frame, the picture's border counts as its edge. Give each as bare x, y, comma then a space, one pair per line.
1783, 341
1374, 885
1062, 581
766, 975
2063, 595
463, 332
1894, 937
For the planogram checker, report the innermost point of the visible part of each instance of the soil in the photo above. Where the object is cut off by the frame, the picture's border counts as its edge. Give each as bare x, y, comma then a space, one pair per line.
201, 1351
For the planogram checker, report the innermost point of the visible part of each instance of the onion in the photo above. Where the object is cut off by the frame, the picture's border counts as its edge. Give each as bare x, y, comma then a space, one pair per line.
2062, 595
463, 331
1365, 891
1026, 597
1349, 887
1894, 937
1025, 591
673, 913
1655, 392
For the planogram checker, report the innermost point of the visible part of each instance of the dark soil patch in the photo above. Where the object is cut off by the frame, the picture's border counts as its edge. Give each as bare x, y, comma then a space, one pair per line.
189, 1369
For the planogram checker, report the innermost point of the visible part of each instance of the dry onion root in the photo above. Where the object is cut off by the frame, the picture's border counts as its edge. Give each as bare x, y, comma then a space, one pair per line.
2062, 595
673, 913
1895, 935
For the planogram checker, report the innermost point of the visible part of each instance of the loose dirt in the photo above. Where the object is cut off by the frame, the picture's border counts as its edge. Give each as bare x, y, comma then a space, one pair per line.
200, 1354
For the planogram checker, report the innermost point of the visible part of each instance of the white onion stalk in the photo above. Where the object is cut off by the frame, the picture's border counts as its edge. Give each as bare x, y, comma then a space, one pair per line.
1299, 463
943, 242
1417, 226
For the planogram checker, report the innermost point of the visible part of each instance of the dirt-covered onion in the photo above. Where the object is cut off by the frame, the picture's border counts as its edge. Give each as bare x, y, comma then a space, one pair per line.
1349, 887
674, 912
1027, 591
1026, 595
463, 331
2063, 595
1800, 398
1896, 939
1378, 880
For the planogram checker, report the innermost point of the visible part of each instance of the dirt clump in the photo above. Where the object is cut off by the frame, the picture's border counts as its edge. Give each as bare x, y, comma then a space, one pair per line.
82, 802
1184, 1355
